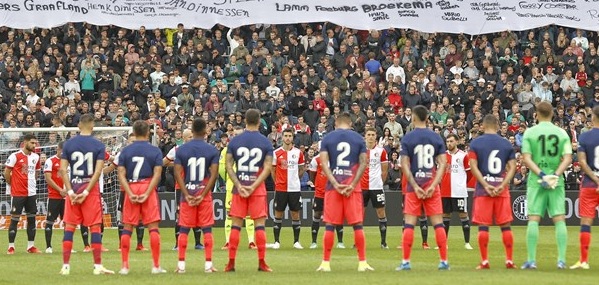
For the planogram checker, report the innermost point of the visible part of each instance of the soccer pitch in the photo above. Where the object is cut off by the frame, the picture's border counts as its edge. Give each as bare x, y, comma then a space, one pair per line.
293, 266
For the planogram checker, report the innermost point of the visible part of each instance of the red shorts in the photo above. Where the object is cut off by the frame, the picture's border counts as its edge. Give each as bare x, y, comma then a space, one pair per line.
414, 205
88, 213
588, 202
485, 208
201, 215
338, 207
253, 206
148, 212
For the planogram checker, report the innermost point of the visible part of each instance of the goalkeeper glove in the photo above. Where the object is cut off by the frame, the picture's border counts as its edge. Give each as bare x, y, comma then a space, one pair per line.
548, 181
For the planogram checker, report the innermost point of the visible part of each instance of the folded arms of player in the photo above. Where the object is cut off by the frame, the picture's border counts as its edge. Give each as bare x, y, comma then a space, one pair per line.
582, 159
52, 183
195, 200
430, 189
246, 191
548, 181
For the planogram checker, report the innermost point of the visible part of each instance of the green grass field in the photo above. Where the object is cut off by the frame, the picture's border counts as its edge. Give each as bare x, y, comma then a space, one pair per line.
298, 266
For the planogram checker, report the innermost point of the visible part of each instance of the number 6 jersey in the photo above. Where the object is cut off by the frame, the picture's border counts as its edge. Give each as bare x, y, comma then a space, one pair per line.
492, 153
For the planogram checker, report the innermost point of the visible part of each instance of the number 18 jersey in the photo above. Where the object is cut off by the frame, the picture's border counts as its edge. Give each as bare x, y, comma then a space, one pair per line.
492, 153
344, 148
422, 146
546, 143
249, 149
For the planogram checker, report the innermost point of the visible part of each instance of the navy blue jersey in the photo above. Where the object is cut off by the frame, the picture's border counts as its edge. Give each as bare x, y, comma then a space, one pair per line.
588, 142
139, 159
249, 149
422, 146
344, 148
196, 157
82, 153
492, 153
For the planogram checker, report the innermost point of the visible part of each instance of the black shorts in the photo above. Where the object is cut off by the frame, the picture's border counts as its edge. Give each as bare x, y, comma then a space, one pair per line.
283, 199
318, 204
451, 205
19, 203
376, 196
55, 209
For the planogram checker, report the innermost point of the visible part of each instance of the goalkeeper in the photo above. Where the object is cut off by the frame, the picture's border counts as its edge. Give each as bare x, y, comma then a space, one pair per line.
249, 223
547, 153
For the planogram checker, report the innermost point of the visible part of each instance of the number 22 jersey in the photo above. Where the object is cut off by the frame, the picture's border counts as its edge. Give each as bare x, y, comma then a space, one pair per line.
249, 149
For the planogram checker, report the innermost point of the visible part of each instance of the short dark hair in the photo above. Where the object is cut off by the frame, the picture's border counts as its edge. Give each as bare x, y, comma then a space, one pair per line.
141, 128
490, 120
87, 119
452, 135
420, 112
61, 144
252, 117
343, 118
289, 130
29, 137
596, 112
199, 126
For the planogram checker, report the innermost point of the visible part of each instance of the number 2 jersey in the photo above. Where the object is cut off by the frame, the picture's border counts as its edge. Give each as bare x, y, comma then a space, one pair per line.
344, 148
422, 146
492, 153
547, 143
249, 149
82, 153
588, 143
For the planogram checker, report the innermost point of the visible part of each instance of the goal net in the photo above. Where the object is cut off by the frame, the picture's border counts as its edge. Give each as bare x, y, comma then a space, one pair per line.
114, 138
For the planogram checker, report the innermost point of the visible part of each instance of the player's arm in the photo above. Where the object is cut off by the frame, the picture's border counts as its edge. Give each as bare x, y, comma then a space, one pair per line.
7, 174
384, 171
178, 170
532, 166
263, 175
95, 177
167, 162
582, 160
363, 160
407, 171
476, 172
441, 165
122, 175
62, 171
52, 183
232, 175
211, 182
326, 169
222, 167
510, 171
110, 168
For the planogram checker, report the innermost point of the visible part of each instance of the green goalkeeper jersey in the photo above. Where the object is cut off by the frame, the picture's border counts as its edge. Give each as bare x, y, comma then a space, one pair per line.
547, 144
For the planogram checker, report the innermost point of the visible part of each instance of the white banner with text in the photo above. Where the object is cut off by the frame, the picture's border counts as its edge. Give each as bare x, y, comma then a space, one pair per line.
455, 16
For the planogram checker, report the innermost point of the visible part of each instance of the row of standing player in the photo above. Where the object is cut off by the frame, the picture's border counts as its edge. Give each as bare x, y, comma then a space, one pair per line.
419, 153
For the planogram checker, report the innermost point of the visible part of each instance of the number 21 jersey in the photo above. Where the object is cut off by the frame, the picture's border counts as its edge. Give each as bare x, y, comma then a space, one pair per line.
249, 149
422, 146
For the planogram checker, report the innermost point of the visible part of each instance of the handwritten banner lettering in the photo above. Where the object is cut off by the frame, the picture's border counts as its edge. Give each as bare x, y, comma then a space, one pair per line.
456, 16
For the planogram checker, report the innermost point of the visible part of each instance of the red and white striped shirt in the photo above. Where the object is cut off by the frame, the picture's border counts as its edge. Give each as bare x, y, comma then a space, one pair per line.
101, 179
372, 178
171, 155
287, 169
455, 179
52, 166
22, 180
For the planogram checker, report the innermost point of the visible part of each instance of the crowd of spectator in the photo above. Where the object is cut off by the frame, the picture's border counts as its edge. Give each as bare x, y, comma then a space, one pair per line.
299, 76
